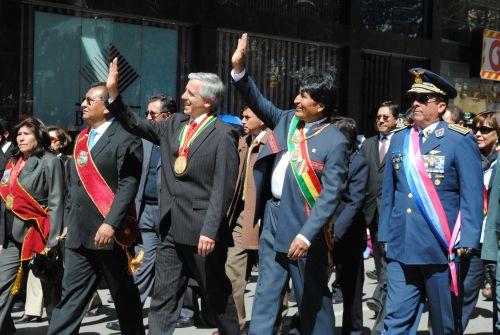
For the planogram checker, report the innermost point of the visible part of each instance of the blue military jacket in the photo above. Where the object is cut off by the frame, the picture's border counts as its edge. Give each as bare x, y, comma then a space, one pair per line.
459, 186
329, 154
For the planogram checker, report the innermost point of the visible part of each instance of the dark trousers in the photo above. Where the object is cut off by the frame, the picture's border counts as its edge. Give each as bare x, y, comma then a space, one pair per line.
408, 286
349, 264
473, 279
83, 271
173, 264
309, 279
9, 265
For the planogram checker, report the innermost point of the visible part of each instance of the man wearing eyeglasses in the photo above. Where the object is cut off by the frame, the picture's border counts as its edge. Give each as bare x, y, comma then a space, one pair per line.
431, 212
374, 149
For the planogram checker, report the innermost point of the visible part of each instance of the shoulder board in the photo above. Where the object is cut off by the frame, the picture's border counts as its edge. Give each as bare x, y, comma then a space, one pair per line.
400, 128
459, 129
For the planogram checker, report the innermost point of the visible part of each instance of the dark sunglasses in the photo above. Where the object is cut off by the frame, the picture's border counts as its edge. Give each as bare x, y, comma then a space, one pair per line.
420, 98
153, 114
482, 129
383, 117
90, 100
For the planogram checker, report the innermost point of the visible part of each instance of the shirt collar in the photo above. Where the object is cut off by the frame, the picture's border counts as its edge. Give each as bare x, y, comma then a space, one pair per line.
261, 135
309, 125
6, 146
429, 129
387, 135
199, 118
102, 128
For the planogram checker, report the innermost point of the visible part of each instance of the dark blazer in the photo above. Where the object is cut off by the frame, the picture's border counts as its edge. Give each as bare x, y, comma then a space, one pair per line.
402, 225
492, 228
198, 199
348, 219
370, 151
328, 152
4, 157
117, 155
42, 177
147, 147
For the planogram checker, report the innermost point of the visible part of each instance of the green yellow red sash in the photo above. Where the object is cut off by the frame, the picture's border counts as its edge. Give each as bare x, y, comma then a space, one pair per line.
303, 171
188, 135
99, 191
24, 206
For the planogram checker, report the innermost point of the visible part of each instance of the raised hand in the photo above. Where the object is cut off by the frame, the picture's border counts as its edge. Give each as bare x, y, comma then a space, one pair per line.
112, 82
238, 58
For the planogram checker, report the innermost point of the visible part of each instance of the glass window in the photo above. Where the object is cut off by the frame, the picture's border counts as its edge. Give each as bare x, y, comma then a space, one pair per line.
70, 53
462, 17
393, 16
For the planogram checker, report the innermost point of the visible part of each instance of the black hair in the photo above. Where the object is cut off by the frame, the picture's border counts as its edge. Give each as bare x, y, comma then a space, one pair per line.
105, 94
348, 127
5, 126
393, 107
457, 114
41, 135
167, 103
322, 88
63, 137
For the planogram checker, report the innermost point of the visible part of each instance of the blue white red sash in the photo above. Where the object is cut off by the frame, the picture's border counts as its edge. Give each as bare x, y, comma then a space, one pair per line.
428, 201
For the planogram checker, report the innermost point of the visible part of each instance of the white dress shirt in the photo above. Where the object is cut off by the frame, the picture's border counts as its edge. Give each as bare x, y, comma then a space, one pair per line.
6, 146
101, 129
428, 130
387, 142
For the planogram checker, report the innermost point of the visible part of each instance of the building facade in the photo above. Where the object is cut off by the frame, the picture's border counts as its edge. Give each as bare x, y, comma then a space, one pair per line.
53, 50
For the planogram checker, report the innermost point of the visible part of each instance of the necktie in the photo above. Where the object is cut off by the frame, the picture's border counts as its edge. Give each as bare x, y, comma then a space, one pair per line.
255, 142
92, 136
383, 148
421, 137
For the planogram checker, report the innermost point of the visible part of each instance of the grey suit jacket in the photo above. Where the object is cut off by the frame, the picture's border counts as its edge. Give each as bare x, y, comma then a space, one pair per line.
147, 147
197, 200
42, 177
370, 151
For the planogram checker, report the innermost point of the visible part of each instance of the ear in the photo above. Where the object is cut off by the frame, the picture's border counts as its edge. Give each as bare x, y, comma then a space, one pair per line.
441, 108
321, 107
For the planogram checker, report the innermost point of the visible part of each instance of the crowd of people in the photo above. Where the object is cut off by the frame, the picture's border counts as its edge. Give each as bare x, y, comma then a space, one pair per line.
181, 205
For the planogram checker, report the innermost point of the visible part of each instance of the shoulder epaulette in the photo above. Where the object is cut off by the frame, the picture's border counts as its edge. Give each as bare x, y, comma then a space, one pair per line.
400, 128
459, 129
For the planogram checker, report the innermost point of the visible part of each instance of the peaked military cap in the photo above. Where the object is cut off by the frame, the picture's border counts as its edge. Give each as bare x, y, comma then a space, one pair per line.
429, 82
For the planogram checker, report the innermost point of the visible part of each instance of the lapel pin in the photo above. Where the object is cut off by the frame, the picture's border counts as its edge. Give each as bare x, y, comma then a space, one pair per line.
439, 132
313, 150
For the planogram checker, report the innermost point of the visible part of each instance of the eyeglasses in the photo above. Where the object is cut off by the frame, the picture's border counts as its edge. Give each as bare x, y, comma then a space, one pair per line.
154, 115
420, 98
383, 117
90, 100
482, 129
54, 139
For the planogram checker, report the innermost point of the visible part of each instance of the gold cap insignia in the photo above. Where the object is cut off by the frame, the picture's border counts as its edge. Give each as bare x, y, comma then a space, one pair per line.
418, 74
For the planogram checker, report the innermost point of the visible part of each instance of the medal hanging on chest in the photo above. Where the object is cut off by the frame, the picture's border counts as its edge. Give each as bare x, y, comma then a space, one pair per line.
187, 136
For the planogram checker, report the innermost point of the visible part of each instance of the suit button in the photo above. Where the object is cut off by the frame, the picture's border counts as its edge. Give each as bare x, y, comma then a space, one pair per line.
437, 182
77, 205
408, 211
79, 183
410, 196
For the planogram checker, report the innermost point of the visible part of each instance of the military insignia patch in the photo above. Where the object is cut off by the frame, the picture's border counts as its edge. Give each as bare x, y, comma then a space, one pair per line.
459, 129
439, 132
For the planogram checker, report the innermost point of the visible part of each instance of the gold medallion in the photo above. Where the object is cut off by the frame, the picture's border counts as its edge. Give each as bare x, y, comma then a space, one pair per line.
437, 182
9, 201
295, 154
180, 164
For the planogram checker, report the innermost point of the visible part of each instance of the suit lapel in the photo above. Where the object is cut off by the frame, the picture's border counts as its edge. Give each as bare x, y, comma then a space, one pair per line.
28, 168
201, 137
103, 140
433, 141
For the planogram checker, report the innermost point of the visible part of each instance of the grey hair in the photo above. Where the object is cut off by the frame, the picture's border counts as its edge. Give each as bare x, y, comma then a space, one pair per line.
212, 88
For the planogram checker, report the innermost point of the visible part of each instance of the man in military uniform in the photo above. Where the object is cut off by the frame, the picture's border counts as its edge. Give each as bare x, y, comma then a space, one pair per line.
431, 211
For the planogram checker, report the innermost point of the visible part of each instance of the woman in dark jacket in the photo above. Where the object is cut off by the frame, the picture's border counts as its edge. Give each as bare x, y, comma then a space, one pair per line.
31, 213
349, 233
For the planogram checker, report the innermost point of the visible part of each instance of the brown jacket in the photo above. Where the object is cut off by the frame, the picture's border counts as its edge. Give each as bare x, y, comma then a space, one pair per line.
246, 209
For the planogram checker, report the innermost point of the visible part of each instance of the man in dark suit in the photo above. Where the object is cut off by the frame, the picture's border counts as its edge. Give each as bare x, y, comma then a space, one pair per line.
5, 144
431, 211
374, 150
147, 206
199, 158
349, 231
293, 241
244, 221
90, 249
